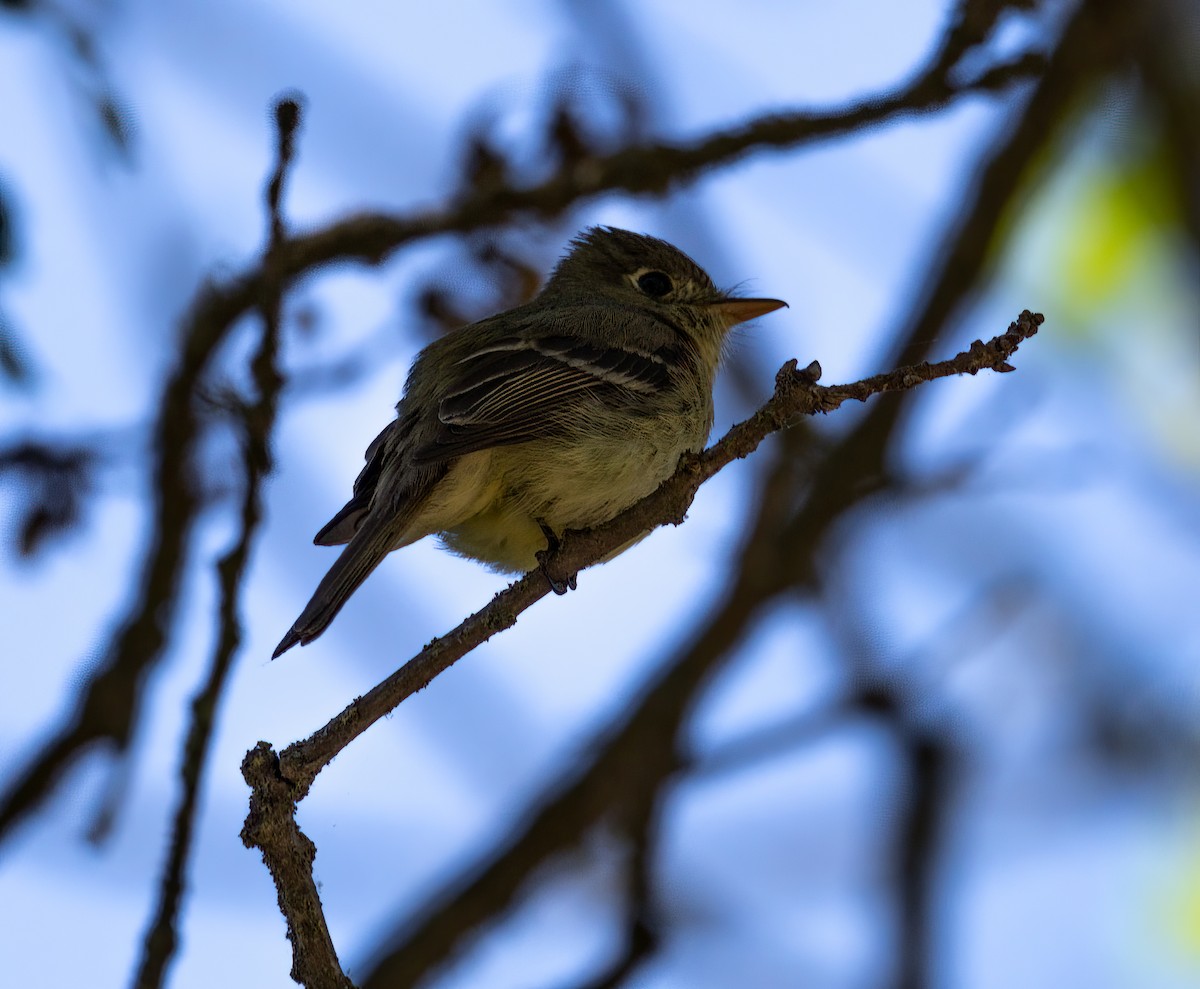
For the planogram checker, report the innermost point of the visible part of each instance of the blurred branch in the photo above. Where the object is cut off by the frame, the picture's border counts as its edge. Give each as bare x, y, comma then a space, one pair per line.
15, 364
970, 24
258, 421
858, 465
958, 269
652, 169
278, 783
58, 479
642, 936
109, 700
921, 827
892, 691
90, 75
761, 744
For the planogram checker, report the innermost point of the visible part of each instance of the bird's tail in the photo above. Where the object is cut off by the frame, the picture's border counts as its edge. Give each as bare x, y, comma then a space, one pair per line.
375, 538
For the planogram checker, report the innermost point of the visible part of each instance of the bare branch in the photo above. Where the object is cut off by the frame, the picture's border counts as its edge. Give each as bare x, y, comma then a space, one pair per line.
796, 393
271, 825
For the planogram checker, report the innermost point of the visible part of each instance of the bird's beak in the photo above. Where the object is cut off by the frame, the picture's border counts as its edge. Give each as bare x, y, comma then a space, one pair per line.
735, 311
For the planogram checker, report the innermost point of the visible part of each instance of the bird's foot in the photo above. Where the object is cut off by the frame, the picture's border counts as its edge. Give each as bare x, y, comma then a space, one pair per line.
559, 585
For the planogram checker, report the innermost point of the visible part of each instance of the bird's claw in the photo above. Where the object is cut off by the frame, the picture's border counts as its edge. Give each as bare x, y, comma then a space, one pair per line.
557, 585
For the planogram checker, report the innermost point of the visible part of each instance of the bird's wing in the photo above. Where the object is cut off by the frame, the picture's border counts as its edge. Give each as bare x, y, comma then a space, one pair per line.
525, 387
520, 387
345, 523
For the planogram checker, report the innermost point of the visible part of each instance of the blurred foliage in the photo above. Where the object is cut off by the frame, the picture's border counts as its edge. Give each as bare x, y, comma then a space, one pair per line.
1114, 226
1182, 907
1102, 241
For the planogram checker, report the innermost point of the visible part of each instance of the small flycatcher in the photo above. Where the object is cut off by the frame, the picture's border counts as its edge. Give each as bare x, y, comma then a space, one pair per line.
555, 415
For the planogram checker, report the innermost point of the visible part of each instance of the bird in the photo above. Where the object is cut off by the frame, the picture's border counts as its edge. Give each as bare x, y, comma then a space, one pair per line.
554, 415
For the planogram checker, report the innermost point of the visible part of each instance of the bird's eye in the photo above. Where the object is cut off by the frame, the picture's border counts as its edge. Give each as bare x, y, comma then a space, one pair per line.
655, 284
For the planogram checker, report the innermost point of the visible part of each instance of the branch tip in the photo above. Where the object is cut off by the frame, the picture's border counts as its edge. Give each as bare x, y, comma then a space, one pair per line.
288, 111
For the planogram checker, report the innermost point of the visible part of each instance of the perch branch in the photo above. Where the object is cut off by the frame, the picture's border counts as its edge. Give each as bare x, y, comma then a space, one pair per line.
797, 393
278, 783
